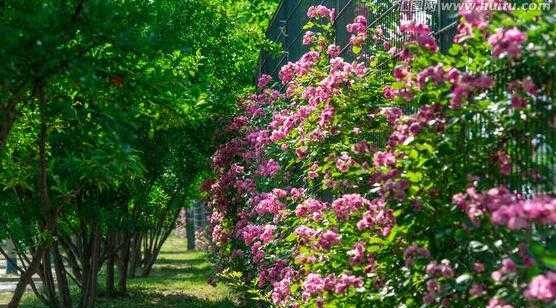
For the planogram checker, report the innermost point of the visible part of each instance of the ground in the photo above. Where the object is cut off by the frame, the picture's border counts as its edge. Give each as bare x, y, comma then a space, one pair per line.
178, 280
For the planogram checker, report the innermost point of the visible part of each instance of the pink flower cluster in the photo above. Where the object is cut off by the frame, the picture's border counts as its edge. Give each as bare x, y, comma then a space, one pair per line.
308, 38
476, 14
269, 168
344, 162
315, 284
435, 271
476, 204
361, 147
384, 159
520, 89
507, 208
520, 214
283, 123
392, 114
496, 302
504, 162
340, 73
464, 85
268, 234
508, 267
348, 204
413, 251
542, 288
237, 123
226, 152
507, 43
258, 139
321, 11
250, 233
333, 50
311, 208
437, 74
305, 234
328, 239
442, 269
299, 68
268, 203
358, 30
281, 277
263, 81
427, 116
377, 217
357, 254
419, 33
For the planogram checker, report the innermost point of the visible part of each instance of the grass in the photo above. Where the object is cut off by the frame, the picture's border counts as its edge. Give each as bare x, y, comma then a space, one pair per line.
178, 280
5, 298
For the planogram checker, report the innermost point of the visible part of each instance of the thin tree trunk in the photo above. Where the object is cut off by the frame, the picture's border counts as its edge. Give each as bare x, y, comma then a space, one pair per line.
48, 281
63, 287
124, 263
71, 257
89, 294
135, 257
26, 277
45, 208
110, 290
148, 267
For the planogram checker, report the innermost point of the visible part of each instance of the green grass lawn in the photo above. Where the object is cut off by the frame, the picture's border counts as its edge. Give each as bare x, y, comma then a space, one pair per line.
177, 280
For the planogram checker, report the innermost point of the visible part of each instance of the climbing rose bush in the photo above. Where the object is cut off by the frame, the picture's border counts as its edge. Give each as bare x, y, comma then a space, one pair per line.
371, 183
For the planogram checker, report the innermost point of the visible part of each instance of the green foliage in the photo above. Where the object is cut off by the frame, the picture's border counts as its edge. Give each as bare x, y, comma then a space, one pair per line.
425, 161
133, 92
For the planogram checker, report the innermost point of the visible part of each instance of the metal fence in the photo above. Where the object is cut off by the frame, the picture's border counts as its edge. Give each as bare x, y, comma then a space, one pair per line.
286, 28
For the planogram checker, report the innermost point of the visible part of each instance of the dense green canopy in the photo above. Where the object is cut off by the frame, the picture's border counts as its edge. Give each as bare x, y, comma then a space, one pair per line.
107, 115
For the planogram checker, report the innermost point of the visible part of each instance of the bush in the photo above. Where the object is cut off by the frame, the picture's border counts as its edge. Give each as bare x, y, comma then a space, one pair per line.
403, 178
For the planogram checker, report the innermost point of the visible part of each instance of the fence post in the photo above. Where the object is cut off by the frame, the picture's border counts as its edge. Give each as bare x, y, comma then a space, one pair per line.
190, 227
445, 19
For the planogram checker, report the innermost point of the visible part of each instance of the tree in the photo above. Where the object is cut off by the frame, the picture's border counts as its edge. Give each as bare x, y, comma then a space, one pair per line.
107, 114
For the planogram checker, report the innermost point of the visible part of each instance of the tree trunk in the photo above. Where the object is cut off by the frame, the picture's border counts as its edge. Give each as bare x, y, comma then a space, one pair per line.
89, 295
154, 256
71, 257
63, 287
26, 277
123, 264
110, 247
135, 251
49, 219
48, 281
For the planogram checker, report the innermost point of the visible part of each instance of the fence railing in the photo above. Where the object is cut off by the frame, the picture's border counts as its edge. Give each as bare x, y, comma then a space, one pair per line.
286, 28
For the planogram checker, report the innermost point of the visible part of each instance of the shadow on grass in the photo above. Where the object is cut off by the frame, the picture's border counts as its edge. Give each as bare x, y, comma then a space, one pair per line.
180, 252
178, 279
191, 275
162, 299
163, 260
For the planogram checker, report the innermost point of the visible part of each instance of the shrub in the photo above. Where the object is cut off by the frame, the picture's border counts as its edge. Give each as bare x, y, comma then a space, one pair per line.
372, 183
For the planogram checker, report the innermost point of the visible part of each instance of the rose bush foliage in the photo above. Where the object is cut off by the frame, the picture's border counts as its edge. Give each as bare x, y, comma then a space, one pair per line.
371, 182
